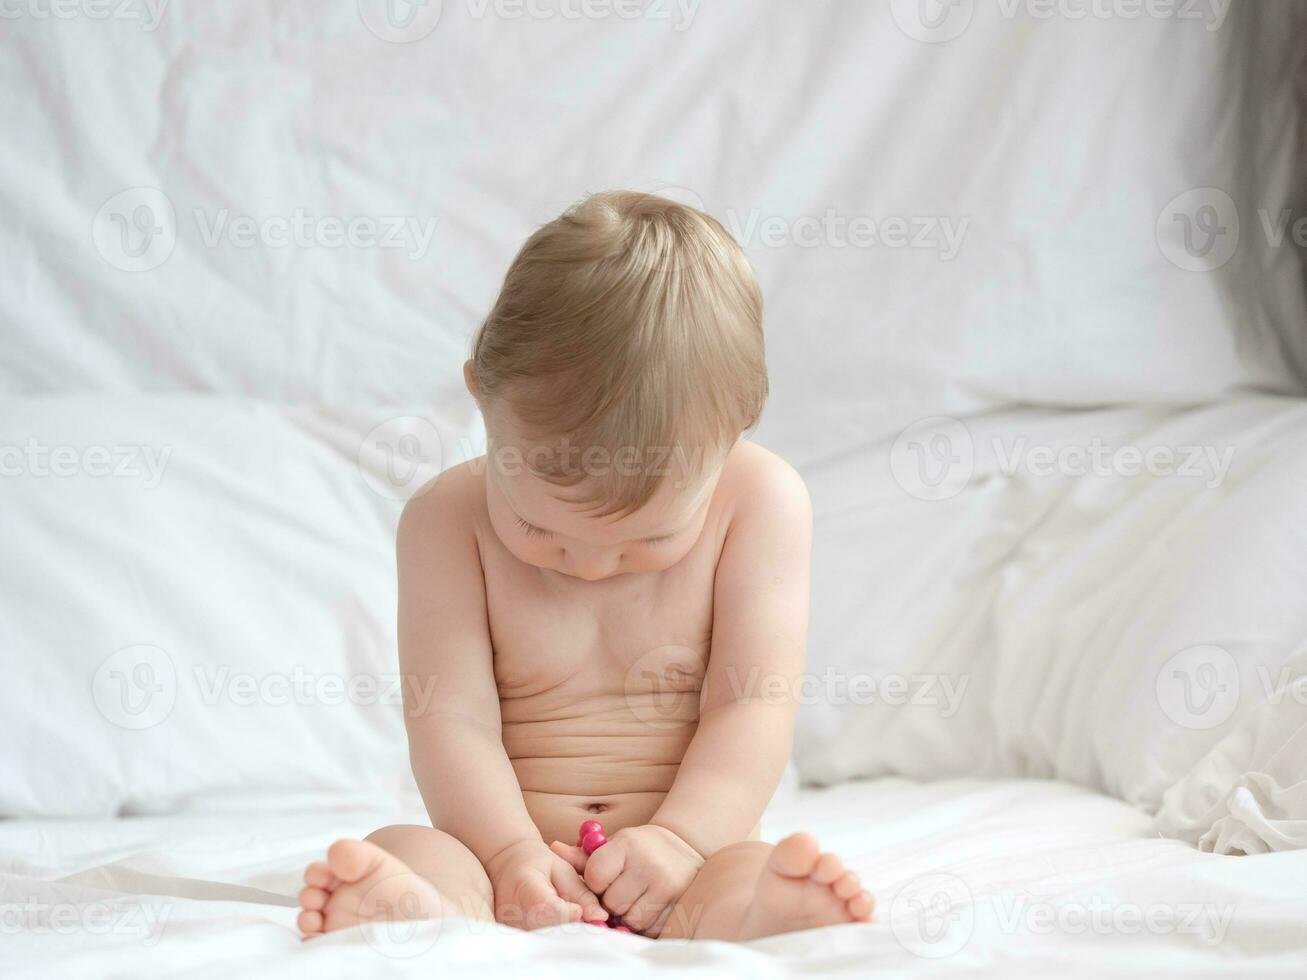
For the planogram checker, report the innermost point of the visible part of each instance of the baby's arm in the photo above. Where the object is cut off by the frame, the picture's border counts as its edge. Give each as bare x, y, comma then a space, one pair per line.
747, 706
451, 709
748, 703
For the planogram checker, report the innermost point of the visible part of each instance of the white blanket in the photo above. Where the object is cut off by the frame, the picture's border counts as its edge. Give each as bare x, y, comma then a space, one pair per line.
1013, 879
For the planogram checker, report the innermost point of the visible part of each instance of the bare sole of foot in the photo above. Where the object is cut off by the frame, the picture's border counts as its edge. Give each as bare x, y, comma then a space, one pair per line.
802, 888
359, 882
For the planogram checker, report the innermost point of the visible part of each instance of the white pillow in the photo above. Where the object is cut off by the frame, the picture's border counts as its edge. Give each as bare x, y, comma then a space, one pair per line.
1068, 147
1041, 623
199, 599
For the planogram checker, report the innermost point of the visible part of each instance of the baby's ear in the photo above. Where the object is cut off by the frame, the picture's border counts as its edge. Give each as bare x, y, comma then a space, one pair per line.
570, 853
470, 379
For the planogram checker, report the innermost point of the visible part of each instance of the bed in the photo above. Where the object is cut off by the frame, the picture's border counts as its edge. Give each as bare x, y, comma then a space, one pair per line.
1010, 877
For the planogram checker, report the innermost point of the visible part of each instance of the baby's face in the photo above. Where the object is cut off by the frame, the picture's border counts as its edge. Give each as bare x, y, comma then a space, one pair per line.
541, 526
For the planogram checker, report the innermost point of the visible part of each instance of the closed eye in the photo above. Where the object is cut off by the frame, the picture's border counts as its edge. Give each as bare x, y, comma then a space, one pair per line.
532, 531
658, 540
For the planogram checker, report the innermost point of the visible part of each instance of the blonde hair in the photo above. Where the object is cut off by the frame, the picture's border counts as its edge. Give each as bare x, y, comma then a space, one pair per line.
630, 322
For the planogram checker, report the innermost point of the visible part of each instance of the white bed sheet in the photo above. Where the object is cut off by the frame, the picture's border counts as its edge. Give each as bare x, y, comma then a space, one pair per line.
1018, 877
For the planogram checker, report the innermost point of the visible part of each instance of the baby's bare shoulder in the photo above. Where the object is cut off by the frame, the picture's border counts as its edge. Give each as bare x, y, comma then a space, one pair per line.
760, 485
449, 504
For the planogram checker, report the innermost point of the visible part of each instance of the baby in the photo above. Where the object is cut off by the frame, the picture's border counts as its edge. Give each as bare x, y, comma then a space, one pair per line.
606, 605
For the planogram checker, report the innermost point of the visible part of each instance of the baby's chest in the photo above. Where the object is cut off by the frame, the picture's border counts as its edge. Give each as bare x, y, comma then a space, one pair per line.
579, 639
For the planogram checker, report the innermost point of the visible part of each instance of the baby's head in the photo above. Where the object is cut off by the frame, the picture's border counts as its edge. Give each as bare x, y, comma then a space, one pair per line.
619, 365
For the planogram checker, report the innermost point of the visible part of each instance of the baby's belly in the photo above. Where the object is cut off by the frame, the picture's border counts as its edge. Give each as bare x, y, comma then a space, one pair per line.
610, 758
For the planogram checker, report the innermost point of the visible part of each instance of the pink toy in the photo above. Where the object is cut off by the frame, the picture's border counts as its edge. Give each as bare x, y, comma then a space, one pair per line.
590, 838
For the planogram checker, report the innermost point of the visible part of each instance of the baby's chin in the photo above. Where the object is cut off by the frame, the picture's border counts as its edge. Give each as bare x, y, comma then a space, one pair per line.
630, 568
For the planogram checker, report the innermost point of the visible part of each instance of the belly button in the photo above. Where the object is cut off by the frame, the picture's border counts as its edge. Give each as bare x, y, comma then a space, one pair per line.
596, 807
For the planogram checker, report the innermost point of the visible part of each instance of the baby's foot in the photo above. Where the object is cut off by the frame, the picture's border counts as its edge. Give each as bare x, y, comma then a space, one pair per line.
801, 888
359, 882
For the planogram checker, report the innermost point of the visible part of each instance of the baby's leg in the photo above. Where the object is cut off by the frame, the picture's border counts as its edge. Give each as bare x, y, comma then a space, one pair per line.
752, 889
400, 872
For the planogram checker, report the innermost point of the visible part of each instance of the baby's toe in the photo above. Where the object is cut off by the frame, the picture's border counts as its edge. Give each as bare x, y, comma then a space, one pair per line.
313, 899
319, 875
860, 906
846, 886
828, 869
310, 923
352, 860
795, 856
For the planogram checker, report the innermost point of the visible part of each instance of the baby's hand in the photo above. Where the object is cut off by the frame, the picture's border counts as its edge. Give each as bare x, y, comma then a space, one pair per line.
534, 887
639, 873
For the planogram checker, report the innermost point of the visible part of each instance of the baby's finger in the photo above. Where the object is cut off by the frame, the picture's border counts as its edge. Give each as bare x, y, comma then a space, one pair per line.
622, 893
570, 853
660, 923
571, 888
643, 913
603, 867
542, 905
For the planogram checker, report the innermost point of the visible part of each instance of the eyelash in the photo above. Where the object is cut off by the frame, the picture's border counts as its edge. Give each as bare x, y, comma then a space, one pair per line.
531, 531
